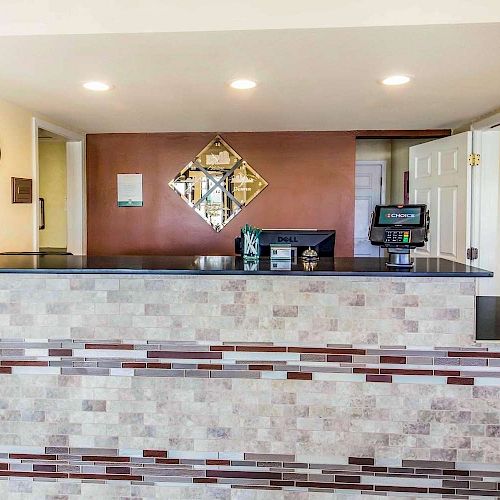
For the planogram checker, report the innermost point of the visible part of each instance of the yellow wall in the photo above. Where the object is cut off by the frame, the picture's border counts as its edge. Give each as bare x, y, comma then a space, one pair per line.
400, 163
52, 181
16, 221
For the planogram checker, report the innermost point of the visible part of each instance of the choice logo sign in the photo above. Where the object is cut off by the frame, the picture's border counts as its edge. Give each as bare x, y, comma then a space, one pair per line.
400, 215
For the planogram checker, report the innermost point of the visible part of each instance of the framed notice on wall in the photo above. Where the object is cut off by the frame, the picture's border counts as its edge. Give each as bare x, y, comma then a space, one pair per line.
129, 190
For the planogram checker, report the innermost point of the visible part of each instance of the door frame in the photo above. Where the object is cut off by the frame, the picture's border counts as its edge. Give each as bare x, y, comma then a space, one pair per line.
383, 187
76, 194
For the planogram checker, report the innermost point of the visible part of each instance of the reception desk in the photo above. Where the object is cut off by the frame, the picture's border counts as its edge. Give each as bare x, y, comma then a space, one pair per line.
197, 377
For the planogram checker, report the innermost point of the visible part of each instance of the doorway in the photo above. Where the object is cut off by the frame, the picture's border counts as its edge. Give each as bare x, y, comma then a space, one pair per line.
52, 192
369, 191
59, 216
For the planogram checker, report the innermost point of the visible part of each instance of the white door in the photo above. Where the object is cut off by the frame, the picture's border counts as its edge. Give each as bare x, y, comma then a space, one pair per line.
368, 193
440, 177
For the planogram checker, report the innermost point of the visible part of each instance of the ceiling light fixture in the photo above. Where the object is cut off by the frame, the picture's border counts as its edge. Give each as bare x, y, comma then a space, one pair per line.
243, 84
97, 86
396, 80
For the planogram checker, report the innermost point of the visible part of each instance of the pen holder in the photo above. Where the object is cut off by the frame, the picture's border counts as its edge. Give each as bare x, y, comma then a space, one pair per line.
251, 246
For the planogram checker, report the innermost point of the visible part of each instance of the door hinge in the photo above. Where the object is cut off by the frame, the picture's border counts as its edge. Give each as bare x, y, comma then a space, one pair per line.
472, 253
474, 160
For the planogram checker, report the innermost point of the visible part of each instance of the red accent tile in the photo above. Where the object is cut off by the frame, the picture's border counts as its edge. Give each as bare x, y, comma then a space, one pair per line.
460, 380
164, 366
132, 364
118, 347
207, 366
447, 373
327, 350
473, 354
4, 466
361, 461
171, 461
29, 456
253, 487
185, 354
379, 378
261, 367
109, 477
24, 363
405, 489
254, 348
102, 458
154, 453
222, 347
204, 480
299, 376
401, 360
405, 371
339, 358
60, 352
366, 370
336, 486
217, 462
243, 474
5, 369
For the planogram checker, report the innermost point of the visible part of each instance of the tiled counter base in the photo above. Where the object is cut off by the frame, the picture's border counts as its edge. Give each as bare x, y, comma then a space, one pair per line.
251, 387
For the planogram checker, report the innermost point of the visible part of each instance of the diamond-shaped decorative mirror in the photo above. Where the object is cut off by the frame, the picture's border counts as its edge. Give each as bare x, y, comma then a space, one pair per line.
218, 183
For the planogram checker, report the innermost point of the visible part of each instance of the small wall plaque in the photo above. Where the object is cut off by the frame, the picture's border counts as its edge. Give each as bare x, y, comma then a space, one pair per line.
21, 190
129, 190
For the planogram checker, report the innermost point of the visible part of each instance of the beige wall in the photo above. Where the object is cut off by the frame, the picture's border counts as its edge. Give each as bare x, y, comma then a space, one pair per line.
52, 181
16, 144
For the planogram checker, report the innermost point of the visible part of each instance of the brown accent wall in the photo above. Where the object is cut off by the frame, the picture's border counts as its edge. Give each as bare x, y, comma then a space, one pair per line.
310, 176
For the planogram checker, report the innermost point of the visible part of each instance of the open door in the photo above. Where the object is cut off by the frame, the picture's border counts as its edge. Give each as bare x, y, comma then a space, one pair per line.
440, 177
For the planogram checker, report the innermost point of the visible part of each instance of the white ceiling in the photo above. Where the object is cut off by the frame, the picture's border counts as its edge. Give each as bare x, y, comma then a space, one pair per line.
309, 79
53, 17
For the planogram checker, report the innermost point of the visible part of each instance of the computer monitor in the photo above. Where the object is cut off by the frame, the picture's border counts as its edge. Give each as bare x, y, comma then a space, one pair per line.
323, 241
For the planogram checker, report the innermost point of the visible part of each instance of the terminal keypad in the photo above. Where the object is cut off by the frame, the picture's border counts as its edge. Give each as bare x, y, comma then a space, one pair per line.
397, 236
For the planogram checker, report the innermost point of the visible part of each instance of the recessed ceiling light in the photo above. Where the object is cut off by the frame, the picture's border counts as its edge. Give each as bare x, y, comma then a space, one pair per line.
243, 84
396, 80
97, 86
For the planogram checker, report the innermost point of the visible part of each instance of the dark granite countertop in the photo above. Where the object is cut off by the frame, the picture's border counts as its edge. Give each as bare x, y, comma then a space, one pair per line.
357, 266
